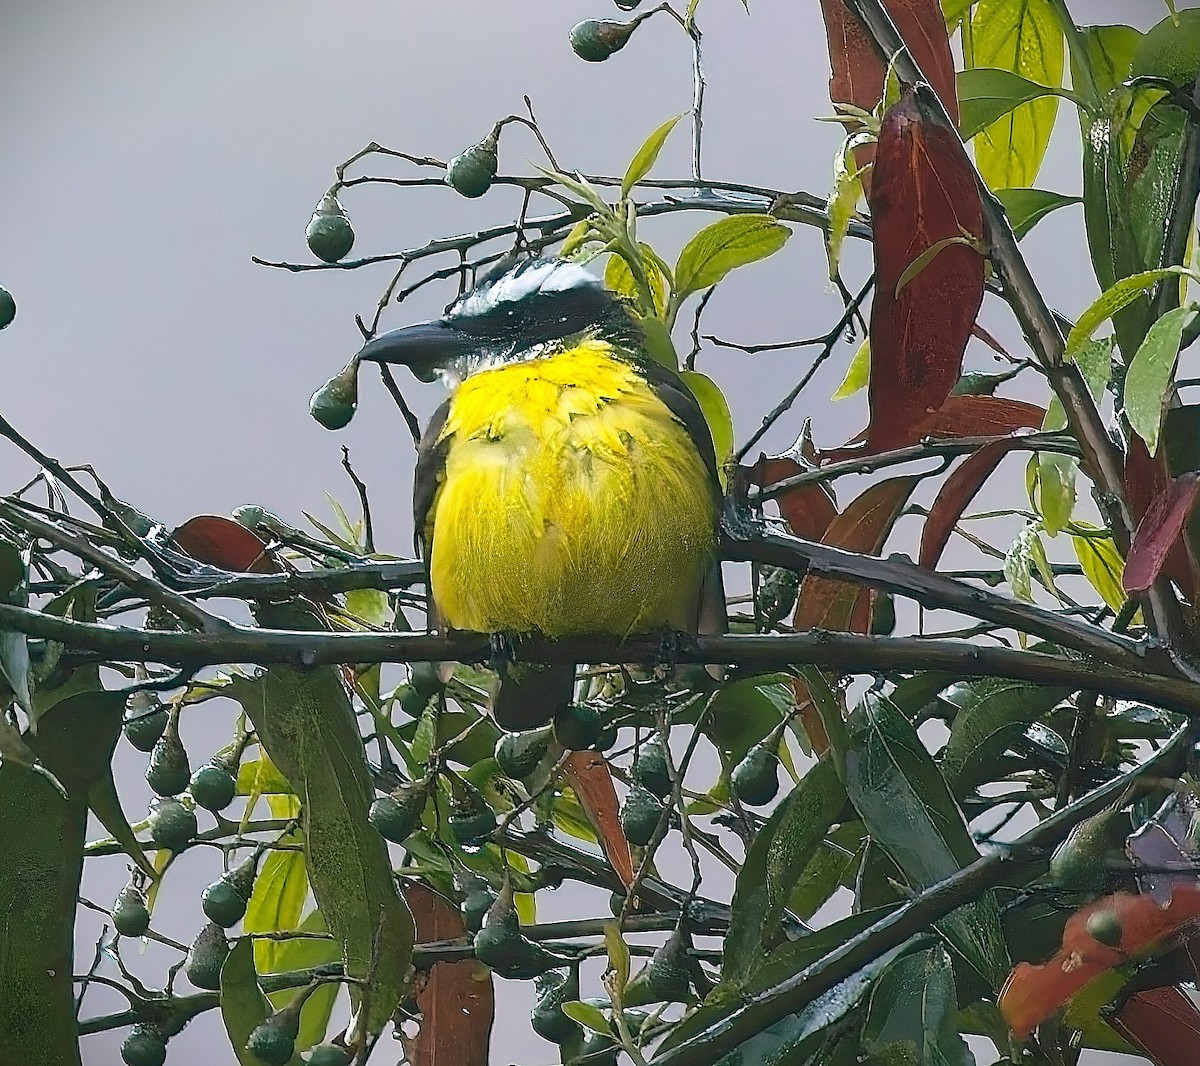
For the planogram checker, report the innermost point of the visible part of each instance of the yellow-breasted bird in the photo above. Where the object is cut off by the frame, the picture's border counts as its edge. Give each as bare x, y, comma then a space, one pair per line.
568, 486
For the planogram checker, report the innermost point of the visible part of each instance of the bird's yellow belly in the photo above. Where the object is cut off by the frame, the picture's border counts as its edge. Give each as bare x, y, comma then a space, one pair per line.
572, 502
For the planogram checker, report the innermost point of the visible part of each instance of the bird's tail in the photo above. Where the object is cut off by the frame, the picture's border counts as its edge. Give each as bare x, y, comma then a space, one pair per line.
528, 695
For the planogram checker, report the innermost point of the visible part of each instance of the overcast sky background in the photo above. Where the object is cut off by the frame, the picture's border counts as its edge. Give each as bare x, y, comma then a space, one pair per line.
150, 149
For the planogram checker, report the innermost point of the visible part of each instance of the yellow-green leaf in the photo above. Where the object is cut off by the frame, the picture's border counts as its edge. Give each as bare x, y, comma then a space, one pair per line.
928, 256
277, 901
647, 155
987, 94
1151, 371
716, 413
843, 199
618, 953
1101, 563
1025, 38
725, 244
858, 373
1112, 300
619, 279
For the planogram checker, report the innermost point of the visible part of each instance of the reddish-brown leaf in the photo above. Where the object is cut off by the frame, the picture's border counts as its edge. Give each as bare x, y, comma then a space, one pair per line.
807, 509
1158, 532
225, 543
827, 604
1146, 476
1163, 1023
455, 998
1161, 850
857, 72
588, 773
980, 416
924, 191
1032, 993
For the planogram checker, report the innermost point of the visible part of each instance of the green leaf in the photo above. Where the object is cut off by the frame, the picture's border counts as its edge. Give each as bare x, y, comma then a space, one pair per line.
928, 256
745, 711
243, 1005
858, 373
1025, 38
1101, 563
619, 278
716, 412
618, 955
587, 1014
1110, 51
832, 864
912, 1013
769, 874
725, 244
1121, 294
1027, 207
277, 901
843, 199
907, 808
992, 712
306, 723
303, 953
647, 155
425, 738
986, 94
1151, 372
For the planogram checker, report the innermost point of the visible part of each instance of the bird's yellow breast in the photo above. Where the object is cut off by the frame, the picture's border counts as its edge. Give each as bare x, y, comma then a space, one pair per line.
572, 501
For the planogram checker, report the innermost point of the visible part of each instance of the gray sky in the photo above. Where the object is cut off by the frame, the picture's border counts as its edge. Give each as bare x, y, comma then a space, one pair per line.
150, 149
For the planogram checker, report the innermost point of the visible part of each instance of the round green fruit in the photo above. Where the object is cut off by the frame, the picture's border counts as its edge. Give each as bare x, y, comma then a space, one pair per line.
577, 726
330, 235
206, 956
518, 754
130, 916
223, 904
213, 787
650, 768
472, 827
273, 1044
755, 780
548, 1019
334, 403
596, 39
172, 825
640, 816
398, 815
169, 772
329, 1055
475, 908
144, 725
1105, 927
472, 171
144, 1046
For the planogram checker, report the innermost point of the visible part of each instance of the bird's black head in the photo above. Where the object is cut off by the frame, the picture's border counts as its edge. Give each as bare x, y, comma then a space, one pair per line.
515, 313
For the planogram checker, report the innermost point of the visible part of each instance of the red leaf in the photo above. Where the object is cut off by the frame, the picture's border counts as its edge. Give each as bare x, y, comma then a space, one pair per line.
225, 543
456, 998
1145, 477
924, 191
807, 509
857, 71
980, 416
1163, 1023
1032, 993
1158, 531
824, 603
588, 773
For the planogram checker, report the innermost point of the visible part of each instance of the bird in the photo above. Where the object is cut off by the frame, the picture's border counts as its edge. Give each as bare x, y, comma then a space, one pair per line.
567, 486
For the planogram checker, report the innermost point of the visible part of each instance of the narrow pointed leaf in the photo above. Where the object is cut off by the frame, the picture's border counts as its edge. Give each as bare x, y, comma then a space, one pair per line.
1027, 207
986, 94
1151, 372
591, 780
646, 156
1158, 531
724, 245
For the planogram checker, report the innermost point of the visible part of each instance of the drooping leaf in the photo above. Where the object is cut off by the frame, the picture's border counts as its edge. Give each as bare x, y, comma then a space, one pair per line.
306, 724
843, 198
1151, 372
1158, 531
773, 862
807, 509
1101, 563
646, 156
592, 783
455, 998
992, 713
225, 543
724, 245
907, 808
858, 373
243, 1005
986, 94
1162, 1023
1032, 993
912, 1013
923, 191
1027, 207
1025, 38
716, 412
1146, 480
956, 494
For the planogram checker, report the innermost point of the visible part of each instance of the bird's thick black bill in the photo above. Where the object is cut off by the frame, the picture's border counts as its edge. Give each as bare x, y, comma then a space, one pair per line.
425, 347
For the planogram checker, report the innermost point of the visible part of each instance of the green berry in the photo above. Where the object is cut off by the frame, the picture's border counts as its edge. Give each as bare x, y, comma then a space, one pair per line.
548, 1019
398, 815
475, 908
144, 1046
471, 820
640, 816
1105, 927
755, 780
577, 726
172, 825
274, 1041
330, 235
627, 5
130, 915
169, 772
334, 403
650, 768
518, 754
213, 786
608, 735
223, 904
8, 307
472, 171
883, 614
596, 39
665, 977
145, 720
206, 956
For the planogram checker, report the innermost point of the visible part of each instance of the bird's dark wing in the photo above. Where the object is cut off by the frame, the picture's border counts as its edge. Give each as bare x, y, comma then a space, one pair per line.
427, 478
670, 388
